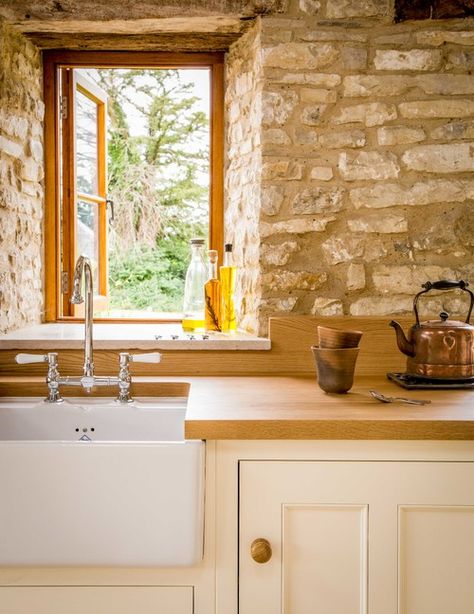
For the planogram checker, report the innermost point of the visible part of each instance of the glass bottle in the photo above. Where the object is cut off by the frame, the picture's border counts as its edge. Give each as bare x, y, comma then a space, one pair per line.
196, 277
212, 296
227, 274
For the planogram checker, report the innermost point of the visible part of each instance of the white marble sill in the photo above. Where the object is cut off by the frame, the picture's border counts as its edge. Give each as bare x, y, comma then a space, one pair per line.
65, 336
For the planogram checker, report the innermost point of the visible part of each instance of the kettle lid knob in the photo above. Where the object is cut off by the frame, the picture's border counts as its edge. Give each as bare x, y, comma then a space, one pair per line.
444, 315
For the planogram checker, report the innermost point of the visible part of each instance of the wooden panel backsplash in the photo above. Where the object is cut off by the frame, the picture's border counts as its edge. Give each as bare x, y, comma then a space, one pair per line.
292, 338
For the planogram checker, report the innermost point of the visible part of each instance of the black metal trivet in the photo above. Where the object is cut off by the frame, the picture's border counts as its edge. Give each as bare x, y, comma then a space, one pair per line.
411, 382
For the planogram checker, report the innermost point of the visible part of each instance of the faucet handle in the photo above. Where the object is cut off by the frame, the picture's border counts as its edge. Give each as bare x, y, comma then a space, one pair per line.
25, 359
154, 357
124, 378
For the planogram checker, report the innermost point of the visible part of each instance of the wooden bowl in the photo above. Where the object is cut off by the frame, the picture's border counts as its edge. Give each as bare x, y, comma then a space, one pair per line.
336, 338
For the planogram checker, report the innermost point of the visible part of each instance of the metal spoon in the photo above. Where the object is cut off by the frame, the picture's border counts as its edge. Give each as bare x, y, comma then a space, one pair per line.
384, 399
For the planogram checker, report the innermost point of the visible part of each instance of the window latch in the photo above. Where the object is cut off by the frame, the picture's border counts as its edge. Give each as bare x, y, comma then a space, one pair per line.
63, 107
64, 282
110, 203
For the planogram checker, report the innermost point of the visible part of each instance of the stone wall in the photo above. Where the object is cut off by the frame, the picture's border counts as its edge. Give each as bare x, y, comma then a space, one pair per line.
243, 104
368, 152
21, 175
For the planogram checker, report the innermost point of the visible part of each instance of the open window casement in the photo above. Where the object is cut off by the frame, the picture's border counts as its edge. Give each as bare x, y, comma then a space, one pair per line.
83, 178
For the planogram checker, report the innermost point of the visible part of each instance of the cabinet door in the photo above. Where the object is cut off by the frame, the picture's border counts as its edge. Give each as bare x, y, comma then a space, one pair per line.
96, 599
357, 537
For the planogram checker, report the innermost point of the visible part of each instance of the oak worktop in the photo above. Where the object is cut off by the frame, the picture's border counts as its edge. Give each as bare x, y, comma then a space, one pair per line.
296, 408
292, 407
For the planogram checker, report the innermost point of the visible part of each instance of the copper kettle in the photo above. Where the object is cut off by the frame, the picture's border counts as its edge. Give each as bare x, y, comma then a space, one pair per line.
443, 348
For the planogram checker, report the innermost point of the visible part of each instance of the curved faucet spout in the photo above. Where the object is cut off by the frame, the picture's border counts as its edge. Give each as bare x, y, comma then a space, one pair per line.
84, 269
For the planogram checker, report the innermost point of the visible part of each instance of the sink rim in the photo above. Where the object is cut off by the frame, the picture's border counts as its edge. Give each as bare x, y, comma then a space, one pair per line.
116, 423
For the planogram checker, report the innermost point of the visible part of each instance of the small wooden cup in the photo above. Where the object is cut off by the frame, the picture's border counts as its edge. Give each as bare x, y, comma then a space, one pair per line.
337, 339
335, 368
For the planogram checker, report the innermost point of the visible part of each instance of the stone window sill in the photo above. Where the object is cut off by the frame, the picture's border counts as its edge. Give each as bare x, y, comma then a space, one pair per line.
66, 336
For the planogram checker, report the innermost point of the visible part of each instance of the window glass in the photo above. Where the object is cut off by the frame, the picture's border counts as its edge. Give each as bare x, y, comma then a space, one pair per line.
86, 144
87, 235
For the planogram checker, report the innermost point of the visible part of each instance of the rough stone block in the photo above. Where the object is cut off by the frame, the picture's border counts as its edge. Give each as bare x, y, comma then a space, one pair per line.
355, 276
368, 165
11, 148
321, 173
399, 135
355, 86
325, 80
279, 305
407, 279
272, 199
306, 136
334, 34
14, 126
454, 131
436, 38
309, 7
445, 84
317, 95
276, 136
460, 60
370, 114
342, 249
339, 140
306, 56
282, 169
327, 307
295, 226
354, 58
387, 224
381, 306
31, 170
277, 107
421, 193
437, 233
311, 116
286, 281
452, 158
278, 254
340, 9
414, 59
450, 108
403, 38
318, 200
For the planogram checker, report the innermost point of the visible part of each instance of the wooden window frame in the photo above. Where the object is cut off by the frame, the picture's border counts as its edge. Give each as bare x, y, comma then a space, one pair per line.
55, 60
71, 83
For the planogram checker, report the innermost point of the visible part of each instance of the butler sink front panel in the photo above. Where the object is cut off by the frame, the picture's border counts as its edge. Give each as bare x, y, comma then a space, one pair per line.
111, 501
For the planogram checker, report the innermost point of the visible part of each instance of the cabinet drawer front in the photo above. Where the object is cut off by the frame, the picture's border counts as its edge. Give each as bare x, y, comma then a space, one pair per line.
357, 537
103, 599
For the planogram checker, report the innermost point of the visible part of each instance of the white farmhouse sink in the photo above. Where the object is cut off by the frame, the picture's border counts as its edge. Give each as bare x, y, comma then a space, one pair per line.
93, 482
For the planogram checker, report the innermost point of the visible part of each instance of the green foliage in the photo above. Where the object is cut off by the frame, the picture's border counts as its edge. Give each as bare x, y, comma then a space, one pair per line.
155, 179
149, 278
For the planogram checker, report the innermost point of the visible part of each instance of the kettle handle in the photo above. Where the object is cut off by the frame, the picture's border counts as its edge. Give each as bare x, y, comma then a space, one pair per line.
443, 284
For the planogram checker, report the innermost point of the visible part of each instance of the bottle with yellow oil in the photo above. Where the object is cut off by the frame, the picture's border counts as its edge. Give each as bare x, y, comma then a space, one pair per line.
212, 296
227, 275
196, 276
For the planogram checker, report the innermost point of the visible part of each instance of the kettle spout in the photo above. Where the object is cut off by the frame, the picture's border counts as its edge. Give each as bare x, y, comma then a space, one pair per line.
403, 344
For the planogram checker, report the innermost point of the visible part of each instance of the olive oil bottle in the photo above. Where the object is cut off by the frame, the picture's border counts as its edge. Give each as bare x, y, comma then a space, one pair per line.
212, 296
193, 304
227, 274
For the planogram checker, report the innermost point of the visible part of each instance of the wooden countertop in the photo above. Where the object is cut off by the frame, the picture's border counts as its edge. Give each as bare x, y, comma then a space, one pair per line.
271, 407
296, 408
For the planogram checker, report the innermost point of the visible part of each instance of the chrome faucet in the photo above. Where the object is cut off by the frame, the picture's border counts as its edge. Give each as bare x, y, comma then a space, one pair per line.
84, 269
88, 380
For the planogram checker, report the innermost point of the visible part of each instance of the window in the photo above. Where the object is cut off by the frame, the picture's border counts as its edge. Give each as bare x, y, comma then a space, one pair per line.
79, 210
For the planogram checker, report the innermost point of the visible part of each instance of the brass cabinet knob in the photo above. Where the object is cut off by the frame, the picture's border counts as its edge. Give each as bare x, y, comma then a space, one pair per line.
261, 550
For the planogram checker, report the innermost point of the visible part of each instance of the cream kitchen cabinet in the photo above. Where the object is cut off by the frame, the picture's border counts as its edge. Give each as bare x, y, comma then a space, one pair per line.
97, 599
357, 537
